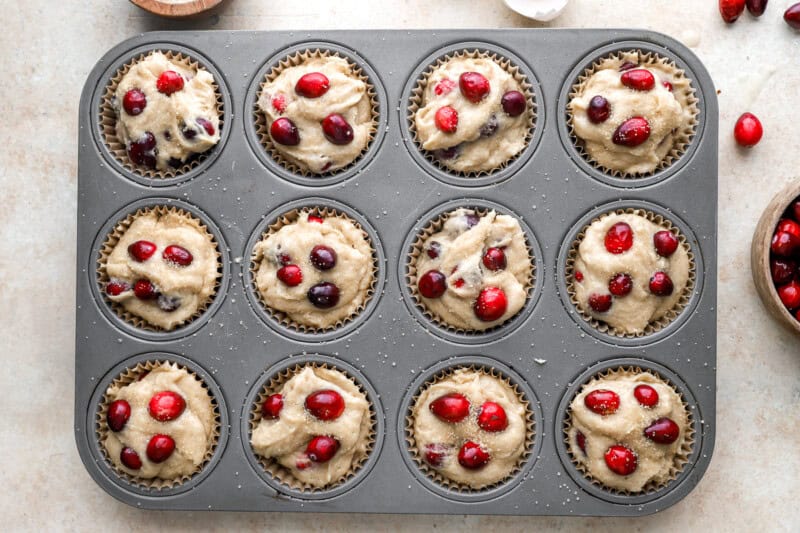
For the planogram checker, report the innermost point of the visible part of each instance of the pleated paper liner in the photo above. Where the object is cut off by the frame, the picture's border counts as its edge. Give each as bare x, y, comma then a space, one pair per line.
434, 474
682, 455
108, 119
653, 326
262, 128
289, 218
101, 426
272, 466
411, 273
111, 242
415, 103
682, 89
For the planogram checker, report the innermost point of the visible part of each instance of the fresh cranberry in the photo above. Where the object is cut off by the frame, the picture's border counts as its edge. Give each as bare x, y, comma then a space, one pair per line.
661, 284
446, 119
323, 295
302, 462
784, 244
474, 86
792, 16
638, 79
283, 131
627, 65
160, 448
621, 460
578, 276
789, 226
662, 431
471, 220
444, 87
144, 290
322, 449
272, 406
312, 85
601, 401
492, 417
177, 255
166, 405
632, 132
134, 102
130, 458
141, 251
448, 153
188, 132
142, 152
514, 103
581, 439
337, 130
472, 456
619, 238
315, 219
325, 404
620, 285
434, 250
748, 130
756, 7
599, 110
435, 454
731, 10
169, 82
790, 295
453, 407
323, 257
490, 127
494, 259
646, 395
783, 270
600, 303
432, 284
206, 125
168, 303
667, 85
118, 414
278, 102
665, 242
116, 287
459, 283
290, 275
491, 304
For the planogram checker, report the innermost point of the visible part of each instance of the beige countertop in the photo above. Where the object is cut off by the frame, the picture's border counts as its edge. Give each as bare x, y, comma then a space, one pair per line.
48, 48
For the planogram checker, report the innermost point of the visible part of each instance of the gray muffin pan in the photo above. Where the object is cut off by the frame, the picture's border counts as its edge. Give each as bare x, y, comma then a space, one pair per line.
393, 190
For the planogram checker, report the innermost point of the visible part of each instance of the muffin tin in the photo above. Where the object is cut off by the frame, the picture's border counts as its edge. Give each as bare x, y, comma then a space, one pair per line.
391, 346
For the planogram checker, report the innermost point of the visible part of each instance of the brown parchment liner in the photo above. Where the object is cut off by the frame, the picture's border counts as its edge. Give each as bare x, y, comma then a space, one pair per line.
280, 472
289, 218
260, 118
682, 455
653, 326
108, 119
680, 82
101, 425
434, 474
435, 226
111, 242
415, 103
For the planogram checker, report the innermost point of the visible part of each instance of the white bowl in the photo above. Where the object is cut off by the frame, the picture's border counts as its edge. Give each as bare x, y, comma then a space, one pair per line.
542, 10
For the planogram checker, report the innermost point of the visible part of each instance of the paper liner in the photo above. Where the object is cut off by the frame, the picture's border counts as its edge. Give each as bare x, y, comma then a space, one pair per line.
111, 242
681, 457
434, 474
101, 426
680, 83
289, 218
262, 128
415, 102
108, 119
653, 326
280, 472
435, 226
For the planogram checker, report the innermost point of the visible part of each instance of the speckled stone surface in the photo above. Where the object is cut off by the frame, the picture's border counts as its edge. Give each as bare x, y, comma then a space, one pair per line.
47, 49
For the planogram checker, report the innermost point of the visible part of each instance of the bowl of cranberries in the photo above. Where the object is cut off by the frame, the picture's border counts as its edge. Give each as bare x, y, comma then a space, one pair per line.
775, 257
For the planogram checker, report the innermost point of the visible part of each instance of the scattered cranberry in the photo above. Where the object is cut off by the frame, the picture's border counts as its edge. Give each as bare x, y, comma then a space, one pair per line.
130, 458
316, 219
491, 304
435, 454
792, 16
756, 7
474, 86
283, 131
143, 151
667, 85
444, 87
325, 404
206, 125
619, 238
166, 405
290, 275
432, 284
434, 250
312, 85
134, 102
118, 414
627, 65
160, 448
492, 417
790, 295
784, 244
748, 130
665, 242
177, 255
472, 456
272, 406
599, 110
144, 290
337, 130
581, 439
578, 276
661, 284
514, 103
141, 251
322, 449
632, 132
168, 303
284, 259
169, 82
646, 395
783, 270
662, 431
323, 295
453, 407
116, 287
278, 102
494, 259
446, 119
601, 401
620, 285
639, 79
600, 303
322, 257
731, 10
621, 460
459, 283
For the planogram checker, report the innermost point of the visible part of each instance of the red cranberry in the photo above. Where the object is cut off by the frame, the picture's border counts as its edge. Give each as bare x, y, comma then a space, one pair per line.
600, 303
662, 431
432, 284
323, 257
665, 242
168, 303
316, 219
302, 462
667, 85
160, 448
271, 408
471, 220
514, 103
283, 131
459, 283
494, 259
278, 102
661, 284
784, 243
783, 270
490, 128
144, 290
448, 153
619, 238
446, 119
627, 65
491, 304
453, 407
166, 405
312, 85
141, 250
434, 249
472, 456
620, 285
581, 439
748, 130
756, 7
599, 110
789, 226
639, 79
444, 87
177, 255
337, 130
143, 151
474, 86
435, 454
169, 82
116, 287
325, 404
118, 414
578, 276
601, 401
188, 133
206, 125
323, 295
621, 460
792, 16
632, 132
731, 10
492, 417
134, 102
290, 275
130, 459
646, 395
790, 295
322, 449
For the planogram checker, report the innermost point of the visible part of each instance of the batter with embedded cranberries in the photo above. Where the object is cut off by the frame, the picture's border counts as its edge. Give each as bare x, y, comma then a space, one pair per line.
627, 430
317, 270
474, 273
159, 426
474, 115
166, 112
163, 269
319, 114
629, 271
317, 426
470, 427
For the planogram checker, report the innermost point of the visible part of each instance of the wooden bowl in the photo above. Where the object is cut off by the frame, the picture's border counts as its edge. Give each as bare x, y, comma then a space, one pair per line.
760, 253
173, 10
